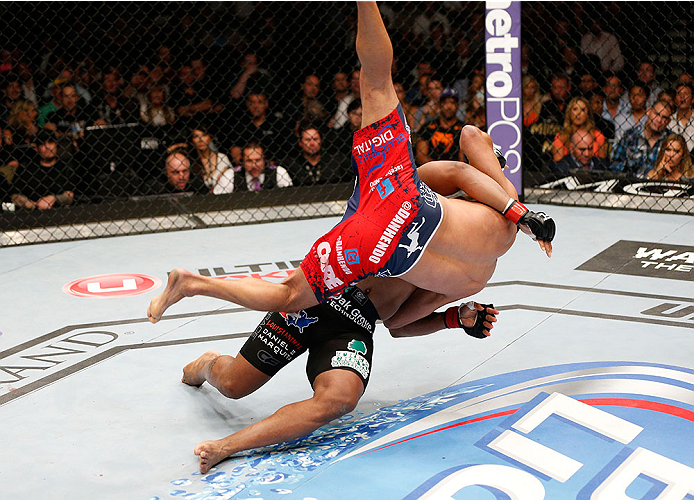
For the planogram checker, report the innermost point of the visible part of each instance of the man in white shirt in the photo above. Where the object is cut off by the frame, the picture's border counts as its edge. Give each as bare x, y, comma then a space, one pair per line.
604, 45
254, 175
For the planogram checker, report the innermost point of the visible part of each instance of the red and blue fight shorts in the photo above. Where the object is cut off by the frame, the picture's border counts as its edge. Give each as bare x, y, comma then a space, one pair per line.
390, 219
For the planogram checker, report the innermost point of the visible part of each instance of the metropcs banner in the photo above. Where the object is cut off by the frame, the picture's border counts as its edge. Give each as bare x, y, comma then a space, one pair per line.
503, 84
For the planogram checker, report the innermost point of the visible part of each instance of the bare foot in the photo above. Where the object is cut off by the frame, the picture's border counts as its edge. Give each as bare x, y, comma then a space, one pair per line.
210, 453
193, 372
171, 294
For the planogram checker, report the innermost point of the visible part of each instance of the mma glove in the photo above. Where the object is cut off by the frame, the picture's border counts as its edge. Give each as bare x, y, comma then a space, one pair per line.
452, 319
540, 224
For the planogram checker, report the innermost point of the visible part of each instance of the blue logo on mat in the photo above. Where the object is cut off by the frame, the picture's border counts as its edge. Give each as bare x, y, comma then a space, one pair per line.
585, 431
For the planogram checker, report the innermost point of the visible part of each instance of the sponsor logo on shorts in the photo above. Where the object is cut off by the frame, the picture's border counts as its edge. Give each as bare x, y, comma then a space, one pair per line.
379, 183
636, 258
344, 306
300, 320
112, 285
352, 256
428, 195
360, 296
354, 358
329, 277
390, 232
383, 137
384, 188
342, 258
266, 357
413, 235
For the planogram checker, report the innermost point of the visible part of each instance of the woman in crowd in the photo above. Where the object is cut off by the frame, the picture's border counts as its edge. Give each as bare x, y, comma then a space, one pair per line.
532, 100
674, 162
156, 111
579, 116
205, 162
22, 122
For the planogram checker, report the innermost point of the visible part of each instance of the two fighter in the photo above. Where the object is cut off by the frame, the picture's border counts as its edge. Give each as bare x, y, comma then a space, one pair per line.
394, 226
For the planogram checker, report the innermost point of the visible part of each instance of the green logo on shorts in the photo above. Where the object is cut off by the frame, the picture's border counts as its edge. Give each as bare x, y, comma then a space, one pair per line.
357, 346
354, 358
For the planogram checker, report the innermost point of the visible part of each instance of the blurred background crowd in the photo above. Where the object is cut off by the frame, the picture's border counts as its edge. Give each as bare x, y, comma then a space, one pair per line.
110, 100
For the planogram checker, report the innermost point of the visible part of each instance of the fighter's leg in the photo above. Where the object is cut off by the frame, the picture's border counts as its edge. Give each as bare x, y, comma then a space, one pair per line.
479, 149
336, 392
375, 52
292, 294
234, 377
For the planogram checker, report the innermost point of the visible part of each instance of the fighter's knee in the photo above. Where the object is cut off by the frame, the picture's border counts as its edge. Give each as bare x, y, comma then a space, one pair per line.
334, 404
471, 134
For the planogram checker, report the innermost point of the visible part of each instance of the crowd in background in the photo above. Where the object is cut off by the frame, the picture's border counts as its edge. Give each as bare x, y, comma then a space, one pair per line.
117, 100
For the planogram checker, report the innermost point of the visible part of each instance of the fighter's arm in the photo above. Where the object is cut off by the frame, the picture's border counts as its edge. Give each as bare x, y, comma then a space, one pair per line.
437, 321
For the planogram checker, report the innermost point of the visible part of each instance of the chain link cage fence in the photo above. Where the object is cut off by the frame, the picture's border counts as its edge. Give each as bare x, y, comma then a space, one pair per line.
136, 117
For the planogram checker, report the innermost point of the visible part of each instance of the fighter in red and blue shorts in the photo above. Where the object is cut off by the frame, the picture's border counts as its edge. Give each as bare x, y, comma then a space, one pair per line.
390, 218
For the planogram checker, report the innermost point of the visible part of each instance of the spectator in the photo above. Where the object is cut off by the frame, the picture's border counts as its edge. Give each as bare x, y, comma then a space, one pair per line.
156, 111
645, 74
604, 45
674, 161
29, 91
140, 82
307, 107
636, 153
72, 117
587, 83
475, 113
12, 90
55, 103
68, 75
113, 106
615, 100
668, 96
207, 164
257, 125
440, 139
581, 154
252, 79
164, 60
45, 182
339, 141
178, 178
554, 109
342, 96
430, 110
417, 94
254, 175
406, 108
314, 166
579, 116
597, 102
683, 124
532, 100
187, 99
22, 122
635, 114
422, 26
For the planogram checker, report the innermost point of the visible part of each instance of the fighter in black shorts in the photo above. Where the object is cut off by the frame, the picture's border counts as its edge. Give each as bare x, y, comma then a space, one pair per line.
337, 334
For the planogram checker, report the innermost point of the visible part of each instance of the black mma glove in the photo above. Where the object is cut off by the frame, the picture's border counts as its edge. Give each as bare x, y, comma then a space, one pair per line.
540, 224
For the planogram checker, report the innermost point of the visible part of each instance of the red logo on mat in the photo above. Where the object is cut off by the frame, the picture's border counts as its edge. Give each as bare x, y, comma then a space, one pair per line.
112, 285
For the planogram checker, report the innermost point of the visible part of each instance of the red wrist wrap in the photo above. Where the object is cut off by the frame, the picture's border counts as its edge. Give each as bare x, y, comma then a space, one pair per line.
451, 318
515, 211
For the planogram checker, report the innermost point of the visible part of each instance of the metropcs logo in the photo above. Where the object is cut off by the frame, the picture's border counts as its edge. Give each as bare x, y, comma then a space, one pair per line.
112, 285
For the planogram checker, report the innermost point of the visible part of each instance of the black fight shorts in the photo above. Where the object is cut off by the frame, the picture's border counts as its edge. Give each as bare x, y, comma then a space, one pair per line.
337, 334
